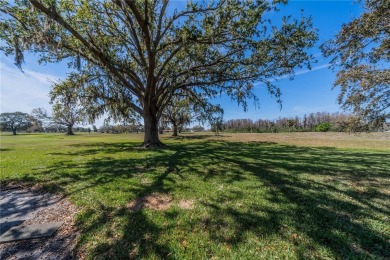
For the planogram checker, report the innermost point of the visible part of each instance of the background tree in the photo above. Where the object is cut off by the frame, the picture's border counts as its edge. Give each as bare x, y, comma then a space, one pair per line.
40, 119
43, 122
198, 128
178, 113
40, 113
141, 53
216, 124
16, 121
185, 107
214, 116
361, 53
67, 107
105, 128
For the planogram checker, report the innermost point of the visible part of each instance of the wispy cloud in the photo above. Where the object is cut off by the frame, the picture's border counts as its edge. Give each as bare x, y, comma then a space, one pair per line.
301, 72
319, 67
24, 91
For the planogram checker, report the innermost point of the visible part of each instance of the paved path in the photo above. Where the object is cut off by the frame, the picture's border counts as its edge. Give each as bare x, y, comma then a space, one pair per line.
19, 204
26, 214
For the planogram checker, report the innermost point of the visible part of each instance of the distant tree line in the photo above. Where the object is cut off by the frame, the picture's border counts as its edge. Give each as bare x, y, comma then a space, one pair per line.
36, 122
40, 122
121, 128
320, 122
137, 128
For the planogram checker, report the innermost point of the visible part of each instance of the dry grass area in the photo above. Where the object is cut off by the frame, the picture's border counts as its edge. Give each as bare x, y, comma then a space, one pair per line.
159, 202
186, 204
154, 201
313, 139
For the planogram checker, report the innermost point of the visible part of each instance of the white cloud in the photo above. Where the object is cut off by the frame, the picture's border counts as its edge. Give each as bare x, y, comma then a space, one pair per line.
24, 91
301, 72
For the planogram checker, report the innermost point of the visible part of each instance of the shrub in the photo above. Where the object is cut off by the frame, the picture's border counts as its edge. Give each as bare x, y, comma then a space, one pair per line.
323, 127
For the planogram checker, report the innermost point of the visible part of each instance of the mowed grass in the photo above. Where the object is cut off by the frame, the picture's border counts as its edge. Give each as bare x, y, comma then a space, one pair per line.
292, 195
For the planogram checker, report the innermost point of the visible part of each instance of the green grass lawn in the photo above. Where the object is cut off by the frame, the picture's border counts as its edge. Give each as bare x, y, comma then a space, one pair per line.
252, 199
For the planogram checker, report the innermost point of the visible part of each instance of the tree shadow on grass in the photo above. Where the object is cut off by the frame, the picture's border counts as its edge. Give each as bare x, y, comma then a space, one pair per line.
312, 199
324, 213
84, 149
187, 137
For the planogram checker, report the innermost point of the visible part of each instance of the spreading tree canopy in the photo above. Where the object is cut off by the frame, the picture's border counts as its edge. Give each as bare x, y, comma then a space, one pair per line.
141, 53
361, 54
177, 113
185, 108
67, 104
15, 121
41, 119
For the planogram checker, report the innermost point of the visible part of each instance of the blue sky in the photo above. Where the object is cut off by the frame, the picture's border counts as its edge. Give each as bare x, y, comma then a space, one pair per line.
310, 91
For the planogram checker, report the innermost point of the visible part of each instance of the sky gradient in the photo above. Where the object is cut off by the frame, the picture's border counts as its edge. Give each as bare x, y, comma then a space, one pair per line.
310, 91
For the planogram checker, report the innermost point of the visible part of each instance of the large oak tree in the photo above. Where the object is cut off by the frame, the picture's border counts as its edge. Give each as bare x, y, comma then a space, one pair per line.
141, 53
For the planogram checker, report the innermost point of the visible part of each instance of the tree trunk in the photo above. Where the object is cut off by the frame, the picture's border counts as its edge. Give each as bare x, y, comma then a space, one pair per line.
13, 131
151, 138
174, 130
70, 130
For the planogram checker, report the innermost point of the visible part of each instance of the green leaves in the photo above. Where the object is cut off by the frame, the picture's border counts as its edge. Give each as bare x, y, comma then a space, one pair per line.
67, 100
361, 52
15, 121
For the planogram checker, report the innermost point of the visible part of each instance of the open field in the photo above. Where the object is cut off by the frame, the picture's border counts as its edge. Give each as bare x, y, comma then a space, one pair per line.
290, 195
